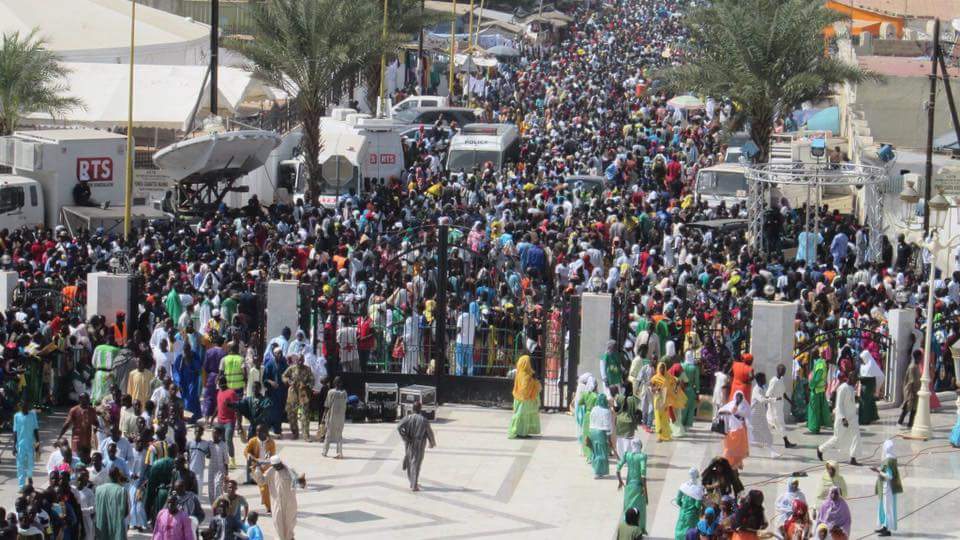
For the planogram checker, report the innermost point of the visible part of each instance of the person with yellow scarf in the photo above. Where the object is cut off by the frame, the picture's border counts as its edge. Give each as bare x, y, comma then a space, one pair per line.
667, 396
526, 402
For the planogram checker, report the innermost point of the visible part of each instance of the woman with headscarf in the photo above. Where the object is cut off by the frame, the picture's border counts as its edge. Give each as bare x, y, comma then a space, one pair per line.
749, 518
691, 389
635, 488
719, 398
585, 404
741, 377
690, 502
801, 390
798, 525
661, 384
831, 478
721, 480
760, 434
835, 514
870, 376
526, 402
818, 411
784, 504
887, 488
600, 439
736, 445
708, 524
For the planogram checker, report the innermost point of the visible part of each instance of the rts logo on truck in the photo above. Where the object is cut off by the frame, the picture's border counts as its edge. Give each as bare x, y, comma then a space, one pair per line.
95, 169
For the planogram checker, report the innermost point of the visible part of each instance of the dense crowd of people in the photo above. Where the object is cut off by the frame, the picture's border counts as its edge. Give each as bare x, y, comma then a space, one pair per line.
162, 394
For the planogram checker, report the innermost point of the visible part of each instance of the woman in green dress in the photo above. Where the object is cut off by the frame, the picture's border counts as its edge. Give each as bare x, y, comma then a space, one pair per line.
818, 411
801, 389
601, 426
692, 388
870, 376
586, 403
526, 402
635, 494
690, 502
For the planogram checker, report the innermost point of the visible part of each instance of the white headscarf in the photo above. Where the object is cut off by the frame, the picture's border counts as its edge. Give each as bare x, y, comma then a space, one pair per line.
689, 358
869, 367
692, 488
743, 410
635, 445
888, 450
719, 381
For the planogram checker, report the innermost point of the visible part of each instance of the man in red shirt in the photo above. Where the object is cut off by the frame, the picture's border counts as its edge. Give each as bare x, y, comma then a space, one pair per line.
366, 340
81, 418
227, 413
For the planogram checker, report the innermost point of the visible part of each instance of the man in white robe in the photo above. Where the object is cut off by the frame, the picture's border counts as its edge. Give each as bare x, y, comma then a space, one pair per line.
846, 422
281, 481
775, 395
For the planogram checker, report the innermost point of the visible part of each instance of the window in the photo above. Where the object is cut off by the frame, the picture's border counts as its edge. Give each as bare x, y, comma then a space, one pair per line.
33, 195
11, 198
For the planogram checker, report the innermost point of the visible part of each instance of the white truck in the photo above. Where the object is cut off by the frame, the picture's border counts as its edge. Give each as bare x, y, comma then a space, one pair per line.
358, 151
50, 167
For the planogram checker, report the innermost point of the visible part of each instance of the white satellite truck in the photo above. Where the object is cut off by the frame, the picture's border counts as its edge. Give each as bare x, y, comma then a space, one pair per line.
358, 152
48, 166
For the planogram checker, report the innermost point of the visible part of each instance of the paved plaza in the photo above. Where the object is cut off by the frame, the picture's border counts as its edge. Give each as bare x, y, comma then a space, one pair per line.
479, 484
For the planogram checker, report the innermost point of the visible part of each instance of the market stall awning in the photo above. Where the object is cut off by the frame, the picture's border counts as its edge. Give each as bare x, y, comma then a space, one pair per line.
164, 96
686, 103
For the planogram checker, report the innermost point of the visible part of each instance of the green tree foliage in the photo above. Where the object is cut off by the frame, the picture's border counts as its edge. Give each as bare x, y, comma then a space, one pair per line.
31, 80
768, 56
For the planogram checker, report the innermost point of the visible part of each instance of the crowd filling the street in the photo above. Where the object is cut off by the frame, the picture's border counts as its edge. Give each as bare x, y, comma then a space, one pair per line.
171, 408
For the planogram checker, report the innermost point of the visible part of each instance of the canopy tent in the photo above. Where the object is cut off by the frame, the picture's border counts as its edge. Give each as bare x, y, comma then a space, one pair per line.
825, 120
503, 50
164, 96
685, 103
99, 31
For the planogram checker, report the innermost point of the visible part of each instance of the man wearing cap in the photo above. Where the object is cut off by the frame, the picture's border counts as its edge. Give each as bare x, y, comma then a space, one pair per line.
281, 481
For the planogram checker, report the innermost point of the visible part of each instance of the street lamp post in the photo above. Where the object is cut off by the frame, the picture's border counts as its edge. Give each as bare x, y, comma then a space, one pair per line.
937, 209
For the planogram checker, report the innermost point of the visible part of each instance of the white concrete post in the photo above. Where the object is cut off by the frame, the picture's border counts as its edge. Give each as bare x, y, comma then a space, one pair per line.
901, 323
281, 307
596, 312
8, 283
107, 294
771, 341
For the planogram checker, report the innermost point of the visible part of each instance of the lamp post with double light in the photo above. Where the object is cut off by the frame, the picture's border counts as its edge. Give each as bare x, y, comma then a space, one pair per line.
938, 207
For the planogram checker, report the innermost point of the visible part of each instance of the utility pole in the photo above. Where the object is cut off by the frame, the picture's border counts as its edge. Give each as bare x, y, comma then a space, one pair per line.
453, 52
131, 150
931, 118
382, 106
214, 53
420, 57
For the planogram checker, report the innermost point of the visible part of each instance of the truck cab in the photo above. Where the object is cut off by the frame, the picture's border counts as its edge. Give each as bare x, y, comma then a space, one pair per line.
21, 202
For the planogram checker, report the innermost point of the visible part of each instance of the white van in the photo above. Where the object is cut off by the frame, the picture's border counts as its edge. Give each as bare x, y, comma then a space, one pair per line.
477, 144
419, 102
726, 182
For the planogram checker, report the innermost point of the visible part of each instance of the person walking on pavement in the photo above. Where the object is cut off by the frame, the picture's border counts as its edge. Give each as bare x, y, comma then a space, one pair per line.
415, 431
776, 394
846, 422
336, 405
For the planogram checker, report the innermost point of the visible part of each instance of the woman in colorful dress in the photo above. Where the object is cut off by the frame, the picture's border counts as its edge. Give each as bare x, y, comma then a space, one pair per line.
690, 502
635, 488
601, 427
736, 446
526, 401
585, 404
661, 384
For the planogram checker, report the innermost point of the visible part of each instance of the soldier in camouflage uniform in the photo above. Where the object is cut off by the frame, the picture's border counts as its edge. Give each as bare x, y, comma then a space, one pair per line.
299, 380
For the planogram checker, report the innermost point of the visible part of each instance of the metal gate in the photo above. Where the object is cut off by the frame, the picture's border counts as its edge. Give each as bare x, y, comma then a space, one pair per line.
857, 339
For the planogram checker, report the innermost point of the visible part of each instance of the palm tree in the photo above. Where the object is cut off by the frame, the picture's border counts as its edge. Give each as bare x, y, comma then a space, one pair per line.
310, 48
767, 56
31, 80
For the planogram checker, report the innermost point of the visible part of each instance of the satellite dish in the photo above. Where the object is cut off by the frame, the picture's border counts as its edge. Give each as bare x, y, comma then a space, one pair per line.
955, 24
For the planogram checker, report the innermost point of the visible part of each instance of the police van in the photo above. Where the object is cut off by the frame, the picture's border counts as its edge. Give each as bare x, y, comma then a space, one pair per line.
477, 144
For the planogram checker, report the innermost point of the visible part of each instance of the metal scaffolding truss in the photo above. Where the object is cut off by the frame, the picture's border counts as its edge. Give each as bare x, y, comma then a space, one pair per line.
762, 178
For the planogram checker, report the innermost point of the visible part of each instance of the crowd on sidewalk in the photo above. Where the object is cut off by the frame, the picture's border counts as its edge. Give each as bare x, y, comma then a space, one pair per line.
165, 394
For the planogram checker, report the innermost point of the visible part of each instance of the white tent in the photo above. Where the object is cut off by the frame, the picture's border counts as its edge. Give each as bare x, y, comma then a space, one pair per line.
99, 31
164, 96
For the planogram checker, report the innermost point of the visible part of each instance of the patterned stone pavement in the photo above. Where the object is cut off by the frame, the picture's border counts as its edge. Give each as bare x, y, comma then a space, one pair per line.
478, 484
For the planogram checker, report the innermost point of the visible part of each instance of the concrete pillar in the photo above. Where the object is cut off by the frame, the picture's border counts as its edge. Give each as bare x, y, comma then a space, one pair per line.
901, 323
771, 340
8, 283
281, 307
107, 294
887, 31
596, 312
